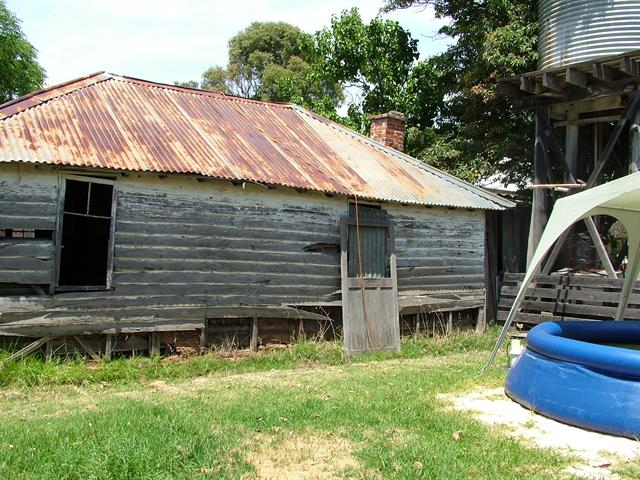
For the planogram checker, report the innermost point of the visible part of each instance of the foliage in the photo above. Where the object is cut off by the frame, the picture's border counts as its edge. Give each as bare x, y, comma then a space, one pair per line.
375, 58
20, 72
474, 132
187, 84
270, 61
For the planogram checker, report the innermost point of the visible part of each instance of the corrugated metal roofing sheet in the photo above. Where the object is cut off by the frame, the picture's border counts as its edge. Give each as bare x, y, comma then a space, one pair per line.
114, 122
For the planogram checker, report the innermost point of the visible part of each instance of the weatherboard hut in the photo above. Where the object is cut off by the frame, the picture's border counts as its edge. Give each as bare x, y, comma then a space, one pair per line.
136, 215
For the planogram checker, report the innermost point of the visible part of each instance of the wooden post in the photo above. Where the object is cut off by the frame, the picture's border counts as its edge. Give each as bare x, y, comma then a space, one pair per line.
203, 340
450, 323
253, 344
540, 201
299, 333
108, 347
154, 344
481, 320
48, 351
571, 148
634, 145
491, 251
418, 318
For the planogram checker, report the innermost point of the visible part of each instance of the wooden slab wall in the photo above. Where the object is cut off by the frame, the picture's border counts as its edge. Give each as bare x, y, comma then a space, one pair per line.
28, 200
439, 248
228, 244
184, 246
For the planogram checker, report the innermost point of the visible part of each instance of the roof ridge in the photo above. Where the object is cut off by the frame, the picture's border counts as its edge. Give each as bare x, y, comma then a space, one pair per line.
199, 91
38, 97
489, 196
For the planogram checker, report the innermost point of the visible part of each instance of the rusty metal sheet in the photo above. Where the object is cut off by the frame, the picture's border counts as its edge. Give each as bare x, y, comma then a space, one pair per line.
113, 122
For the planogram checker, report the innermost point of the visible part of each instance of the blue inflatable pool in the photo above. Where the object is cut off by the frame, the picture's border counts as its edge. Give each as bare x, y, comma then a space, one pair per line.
585, 374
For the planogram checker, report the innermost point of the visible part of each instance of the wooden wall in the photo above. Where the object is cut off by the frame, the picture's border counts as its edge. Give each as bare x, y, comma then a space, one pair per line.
438, 248
28, 200
232, 245
183, 247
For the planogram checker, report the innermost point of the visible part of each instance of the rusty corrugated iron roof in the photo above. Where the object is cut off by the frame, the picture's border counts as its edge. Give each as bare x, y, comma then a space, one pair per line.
113, 122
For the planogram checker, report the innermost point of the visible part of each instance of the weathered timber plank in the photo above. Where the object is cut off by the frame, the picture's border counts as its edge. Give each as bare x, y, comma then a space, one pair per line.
246, 279
567, 294
535, 318
250, 311
568, 280
32, 247
425, 272
210, 215
69, 315
219, 254
105, 326
441, 306
25, 277
311, 234
154, 204
239, 293
564, 308
226, 265
31, 222
27, 206
447, 278
242, 243
25, 263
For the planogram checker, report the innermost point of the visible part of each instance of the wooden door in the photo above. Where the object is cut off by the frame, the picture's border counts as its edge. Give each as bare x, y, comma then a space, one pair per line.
369, 285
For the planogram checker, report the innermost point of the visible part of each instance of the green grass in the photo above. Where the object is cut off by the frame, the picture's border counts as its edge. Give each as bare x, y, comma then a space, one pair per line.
33, 371
304, 408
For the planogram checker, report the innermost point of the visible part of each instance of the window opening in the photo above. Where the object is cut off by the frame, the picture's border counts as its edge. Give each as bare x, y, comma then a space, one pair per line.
86, 231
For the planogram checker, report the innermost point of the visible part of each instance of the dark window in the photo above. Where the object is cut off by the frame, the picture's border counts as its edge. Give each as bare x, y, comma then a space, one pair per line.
86, 230
76, 196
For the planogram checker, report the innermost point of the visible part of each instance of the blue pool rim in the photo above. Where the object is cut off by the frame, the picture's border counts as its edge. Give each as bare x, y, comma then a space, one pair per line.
566, 375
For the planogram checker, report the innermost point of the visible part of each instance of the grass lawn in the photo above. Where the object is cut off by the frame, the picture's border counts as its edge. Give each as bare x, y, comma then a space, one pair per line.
304, 412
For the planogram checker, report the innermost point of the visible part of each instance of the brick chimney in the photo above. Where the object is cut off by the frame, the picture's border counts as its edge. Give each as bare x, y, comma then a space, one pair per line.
388, 129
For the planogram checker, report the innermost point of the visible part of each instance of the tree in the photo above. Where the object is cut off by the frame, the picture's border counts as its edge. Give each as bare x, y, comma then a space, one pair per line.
474, 132
270, 61
374, 58
187, 84
20, 72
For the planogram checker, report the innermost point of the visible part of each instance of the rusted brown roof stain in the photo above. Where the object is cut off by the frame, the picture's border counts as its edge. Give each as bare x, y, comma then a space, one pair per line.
114, 122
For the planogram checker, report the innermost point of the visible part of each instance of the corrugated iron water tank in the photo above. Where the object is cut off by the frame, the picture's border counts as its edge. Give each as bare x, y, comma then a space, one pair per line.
573, 31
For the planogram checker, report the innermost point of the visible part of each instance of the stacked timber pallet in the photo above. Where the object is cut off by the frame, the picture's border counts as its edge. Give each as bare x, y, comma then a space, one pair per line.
565, 297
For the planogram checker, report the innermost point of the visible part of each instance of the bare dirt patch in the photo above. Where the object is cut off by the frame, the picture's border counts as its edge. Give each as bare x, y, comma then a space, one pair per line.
310, 455
598, 454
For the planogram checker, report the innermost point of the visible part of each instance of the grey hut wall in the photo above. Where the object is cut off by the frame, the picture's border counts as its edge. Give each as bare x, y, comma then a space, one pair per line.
227, 243
438, 248
183, 242
28, 200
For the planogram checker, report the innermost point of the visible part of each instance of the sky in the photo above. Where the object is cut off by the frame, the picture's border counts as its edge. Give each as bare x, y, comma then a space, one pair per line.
169, 40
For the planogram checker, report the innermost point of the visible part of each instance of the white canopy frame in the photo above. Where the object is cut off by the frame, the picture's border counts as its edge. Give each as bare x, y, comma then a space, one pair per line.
619, 199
